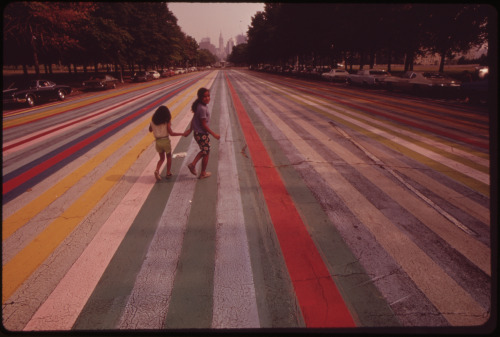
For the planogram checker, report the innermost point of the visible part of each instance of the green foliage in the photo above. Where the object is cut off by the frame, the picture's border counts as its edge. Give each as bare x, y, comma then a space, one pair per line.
328, 32
91, 33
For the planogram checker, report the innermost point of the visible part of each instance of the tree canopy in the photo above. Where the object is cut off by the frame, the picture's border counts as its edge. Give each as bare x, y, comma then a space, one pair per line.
313, 33
143, 34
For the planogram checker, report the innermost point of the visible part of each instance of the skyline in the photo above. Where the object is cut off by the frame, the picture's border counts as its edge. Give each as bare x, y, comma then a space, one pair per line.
202, 20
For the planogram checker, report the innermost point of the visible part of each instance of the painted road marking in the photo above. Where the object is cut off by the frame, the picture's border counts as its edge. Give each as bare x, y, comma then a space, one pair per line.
319, 299
21, 266
74, 290
22, 216
415, 261
23, 142
34, 171
352, 117
479, 181
235, 303
475, 251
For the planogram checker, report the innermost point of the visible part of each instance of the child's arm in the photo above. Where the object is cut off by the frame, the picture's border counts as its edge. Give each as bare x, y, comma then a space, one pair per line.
172, 133
188, 131
207, 128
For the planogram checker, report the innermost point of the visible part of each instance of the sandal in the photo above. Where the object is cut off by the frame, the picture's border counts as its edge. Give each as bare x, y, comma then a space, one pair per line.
168, 175
157, 176
206, 175
192, 168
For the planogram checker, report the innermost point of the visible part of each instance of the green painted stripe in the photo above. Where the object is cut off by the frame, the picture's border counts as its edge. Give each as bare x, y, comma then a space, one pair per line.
276, 302
368, 304
192, 295
105, 305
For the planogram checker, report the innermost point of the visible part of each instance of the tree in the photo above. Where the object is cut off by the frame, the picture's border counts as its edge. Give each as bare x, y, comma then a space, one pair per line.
452, 29
43, 28
239, 55
205, 57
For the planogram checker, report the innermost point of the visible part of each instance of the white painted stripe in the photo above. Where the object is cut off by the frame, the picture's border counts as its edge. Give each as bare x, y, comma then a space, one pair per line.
471, 172
62, 307
456, 305
234, 302
66, 127
148, 303
474, 250
321, 102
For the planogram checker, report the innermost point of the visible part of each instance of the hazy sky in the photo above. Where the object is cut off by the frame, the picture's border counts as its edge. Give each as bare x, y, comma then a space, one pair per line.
201, 20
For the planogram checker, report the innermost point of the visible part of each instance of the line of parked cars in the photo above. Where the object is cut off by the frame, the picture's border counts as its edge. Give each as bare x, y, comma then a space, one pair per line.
34, 92
415, 82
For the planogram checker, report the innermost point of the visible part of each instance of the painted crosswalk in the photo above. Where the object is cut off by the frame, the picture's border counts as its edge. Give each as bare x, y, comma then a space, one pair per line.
322, 211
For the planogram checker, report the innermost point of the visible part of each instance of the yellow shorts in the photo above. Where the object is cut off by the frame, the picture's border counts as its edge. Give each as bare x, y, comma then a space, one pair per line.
163, 145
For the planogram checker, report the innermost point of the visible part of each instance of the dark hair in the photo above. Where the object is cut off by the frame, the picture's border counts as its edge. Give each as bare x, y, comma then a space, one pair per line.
162, 115
201, 92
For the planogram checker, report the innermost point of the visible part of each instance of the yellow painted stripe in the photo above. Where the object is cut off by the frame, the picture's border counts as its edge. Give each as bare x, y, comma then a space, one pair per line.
23, 215
17, 270
24, 263
31, 117
448, 296
458, 176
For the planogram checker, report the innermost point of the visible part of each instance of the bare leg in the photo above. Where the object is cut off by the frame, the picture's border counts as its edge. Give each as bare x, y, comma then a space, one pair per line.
158, 166
192, 166
169, 164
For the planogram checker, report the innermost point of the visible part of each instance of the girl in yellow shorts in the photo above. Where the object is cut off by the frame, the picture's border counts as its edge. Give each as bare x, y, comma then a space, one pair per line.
160, 126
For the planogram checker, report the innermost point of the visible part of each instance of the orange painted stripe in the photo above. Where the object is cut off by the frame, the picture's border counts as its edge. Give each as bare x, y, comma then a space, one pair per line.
319, 299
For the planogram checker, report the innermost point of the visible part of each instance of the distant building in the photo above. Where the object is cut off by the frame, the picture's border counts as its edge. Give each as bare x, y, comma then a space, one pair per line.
241, 39
222, 51
229, 46
205, 44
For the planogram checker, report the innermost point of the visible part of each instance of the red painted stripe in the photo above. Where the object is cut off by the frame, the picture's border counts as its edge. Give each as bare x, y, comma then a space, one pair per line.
436, 130
63, 126
318, 296
34, 171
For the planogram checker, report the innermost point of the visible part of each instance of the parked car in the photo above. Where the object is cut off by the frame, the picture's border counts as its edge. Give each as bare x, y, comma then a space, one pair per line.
101, 82
167, 73
142, 76
35, 91
369, 77
336, 75
423, 83
155, 74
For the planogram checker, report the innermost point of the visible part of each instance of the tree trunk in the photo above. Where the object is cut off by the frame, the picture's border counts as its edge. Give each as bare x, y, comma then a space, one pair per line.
35, 57
441, 63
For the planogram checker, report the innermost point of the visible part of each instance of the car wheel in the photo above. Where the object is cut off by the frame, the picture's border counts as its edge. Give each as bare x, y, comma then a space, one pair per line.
30, 100
61, 95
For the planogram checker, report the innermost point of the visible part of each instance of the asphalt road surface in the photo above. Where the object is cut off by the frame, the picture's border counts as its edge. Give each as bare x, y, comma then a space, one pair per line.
328, 207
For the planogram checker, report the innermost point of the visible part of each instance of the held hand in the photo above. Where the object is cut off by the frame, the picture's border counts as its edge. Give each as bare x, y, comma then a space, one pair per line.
216, 136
